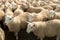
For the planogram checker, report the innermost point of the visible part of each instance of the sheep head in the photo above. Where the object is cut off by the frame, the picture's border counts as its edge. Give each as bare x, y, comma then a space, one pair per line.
30, 27
52, 13
7, 19
31, 16
14, 5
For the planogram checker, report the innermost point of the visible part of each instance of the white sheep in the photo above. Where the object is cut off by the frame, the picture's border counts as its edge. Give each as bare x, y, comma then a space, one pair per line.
17, 23
2, 14
48, 7
8, 11
57, 8
14, 5
42, 16
56, 15
19, 1
18, 11
7, 4
35, 3
34, 9
47, 28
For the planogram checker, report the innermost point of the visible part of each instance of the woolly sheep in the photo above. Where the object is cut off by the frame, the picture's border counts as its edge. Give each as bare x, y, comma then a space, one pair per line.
57, 8
18, 11
34, 9
47, 28
54, 15
14, 5
17, 23
35, 3
7, 4
48, 7
57, 15
8, 13
2, 14
42, 16
19, 1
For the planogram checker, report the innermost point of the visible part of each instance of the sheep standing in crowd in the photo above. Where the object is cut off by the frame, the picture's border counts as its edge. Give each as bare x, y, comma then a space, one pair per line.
2, 15
42, 16
48, 7
35, 3
8, 11
41, 29
14, 5
54, 15
20, 1
17, 23
2, 34
34, 9
57, 15
18, 11
57, 8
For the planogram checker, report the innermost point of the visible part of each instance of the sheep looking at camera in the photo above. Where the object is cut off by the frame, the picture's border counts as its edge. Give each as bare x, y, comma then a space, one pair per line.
47, 28
17, 23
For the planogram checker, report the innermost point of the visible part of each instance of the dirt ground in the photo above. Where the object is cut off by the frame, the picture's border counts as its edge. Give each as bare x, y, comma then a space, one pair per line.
24, 36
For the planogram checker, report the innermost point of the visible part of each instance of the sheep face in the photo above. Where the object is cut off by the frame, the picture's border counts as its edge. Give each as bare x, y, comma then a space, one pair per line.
51, 13
30, 27
8, 19
14, 5
31, 16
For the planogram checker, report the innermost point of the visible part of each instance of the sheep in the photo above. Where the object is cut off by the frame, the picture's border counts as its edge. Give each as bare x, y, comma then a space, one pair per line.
19, 1
48, 7
14, 5
34, 9
53, 5
36, 29
17, 23
57, 15
2, 14
45, 28
56, 1
42, 16
8, 13
54, 15
18, 11
2, 34
35, 3
42, 3
30, 1
57, 8
8, 4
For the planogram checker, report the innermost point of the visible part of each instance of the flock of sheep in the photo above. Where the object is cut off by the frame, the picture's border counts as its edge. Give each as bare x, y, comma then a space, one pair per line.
42, 17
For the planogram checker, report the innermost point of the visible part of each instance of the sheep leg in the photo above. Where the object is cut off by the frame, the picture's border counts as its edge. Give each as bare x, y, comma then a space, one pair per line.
2, 37
41, 39
16, 35
57, 38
